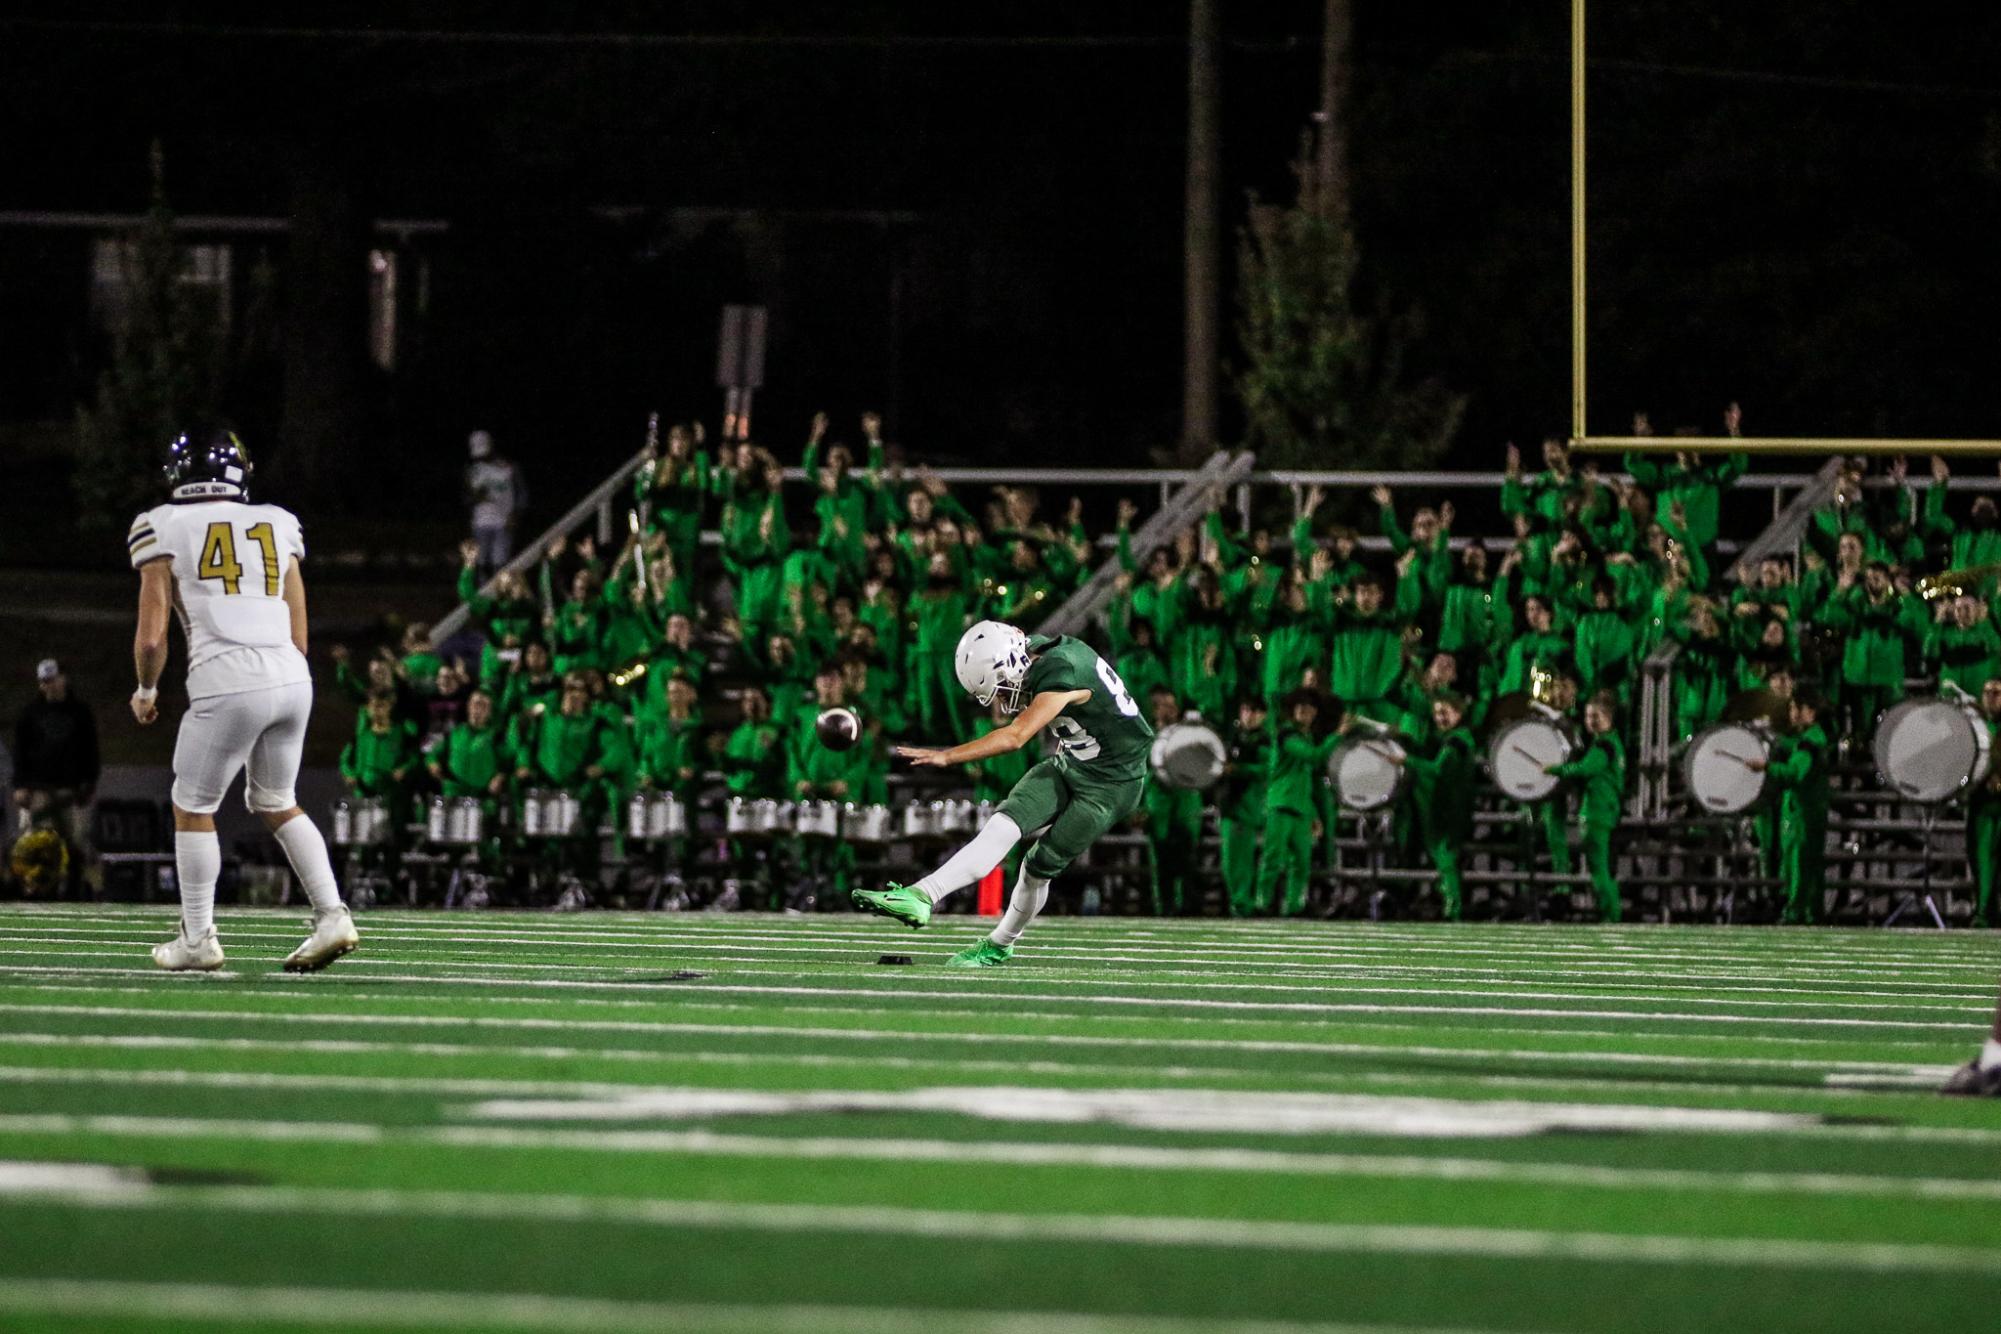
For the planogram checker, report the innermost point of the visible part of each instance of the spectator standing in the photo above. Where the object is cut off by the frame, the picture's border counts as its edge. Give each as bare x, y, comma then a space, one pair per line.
497, 494
55, 760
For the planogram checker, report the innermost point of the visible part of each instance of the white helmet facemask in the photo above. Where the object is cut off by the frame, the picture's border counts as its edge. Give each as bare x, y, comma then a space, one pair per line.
992, 663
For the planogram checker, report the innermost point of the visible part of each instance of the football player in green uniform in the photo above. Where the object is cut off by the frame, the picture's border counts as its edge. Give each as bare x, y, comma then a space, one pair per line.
1096, 779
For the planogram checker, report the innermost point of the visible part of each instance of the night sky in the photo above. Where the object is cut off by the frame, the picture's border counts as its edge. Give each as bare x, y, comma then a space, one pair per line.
971, 216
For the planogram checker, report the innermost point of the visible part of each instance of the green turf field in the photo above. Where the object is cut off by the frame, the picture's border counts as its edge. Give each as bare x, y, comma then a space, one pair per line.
742, 1123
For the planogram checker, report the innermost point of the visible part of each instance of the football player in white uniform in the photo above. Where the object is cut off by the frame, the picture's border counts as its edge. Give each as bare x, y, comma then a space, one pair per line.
230, 569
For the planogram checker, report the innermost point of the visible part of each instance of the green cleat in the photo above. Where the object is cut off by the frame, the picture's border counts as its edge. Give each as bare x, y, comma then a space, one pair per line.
984, 954
912, 907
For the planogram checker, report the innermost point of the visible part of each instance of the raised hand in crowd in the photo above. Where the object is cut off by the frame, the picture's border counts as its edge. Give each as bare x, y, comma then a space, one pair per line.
1381, 495
1446, 514
819, 429
1733, 421
1128, 511
1514, 468
1939, 469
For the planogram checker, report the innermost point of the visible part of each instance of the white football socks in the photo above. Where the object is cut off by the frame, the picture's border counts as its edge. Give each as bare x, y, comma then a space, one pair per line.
307, 851
197, 865
1990, 1055
1030, 893
974, 860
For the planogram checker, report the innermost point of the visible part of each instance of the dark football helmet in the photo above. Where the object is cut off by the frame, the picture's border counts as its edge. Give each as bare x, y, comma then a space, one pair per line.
208, 463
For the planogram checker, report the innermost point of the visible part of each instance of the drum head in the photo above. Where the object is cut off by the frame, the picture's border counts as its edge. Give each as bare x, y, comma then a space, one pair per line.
1519, 754
1717, 772
1930, 749
1188, 755
1365, 776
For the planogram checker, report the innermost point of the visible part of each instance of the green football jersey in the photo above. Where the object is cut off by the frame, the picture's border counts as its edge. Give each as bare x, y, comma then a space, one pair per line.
1105, 735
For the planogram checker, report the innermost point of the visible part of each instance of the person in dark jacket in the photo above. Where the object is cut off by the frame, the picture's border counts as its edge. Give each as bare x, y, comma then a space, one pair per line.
55, 761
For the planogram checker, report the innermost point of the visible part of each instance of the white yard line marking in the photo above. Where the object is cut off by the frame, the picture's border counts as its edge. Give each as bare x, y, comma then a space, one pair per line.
1188, 1111
1053, 941
824, 1033
711, 1144
1294, 979
1096, 1229
42, 1179
1334, 941
389, 1308
1834, 1085
496, 973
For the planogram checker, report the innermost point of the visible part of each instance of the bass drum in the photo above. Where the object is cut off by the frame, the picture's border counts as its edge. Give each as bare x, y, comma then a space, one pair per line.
1188, 756
1367, 772
1932, 749
1521, 751
1716, 768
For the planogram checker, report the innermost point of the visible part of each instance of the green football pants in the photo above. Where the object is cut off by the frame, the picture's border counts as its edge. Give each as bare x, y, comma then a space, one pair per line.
1076, 806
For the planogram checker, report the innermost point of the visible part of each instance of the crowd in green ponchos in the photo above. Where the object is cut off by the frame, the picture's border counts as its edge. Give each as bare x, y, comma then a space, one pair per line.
737, 606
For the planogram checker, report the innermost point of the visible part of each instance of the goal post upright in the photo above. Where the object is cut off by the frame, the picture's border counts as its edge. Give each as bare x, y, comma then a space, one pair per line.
1584, 442
1577, 337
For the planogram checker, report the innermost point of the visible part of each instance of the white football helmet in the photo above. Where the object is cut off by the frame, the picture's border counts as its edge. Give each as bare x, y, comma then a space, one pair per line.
992, 662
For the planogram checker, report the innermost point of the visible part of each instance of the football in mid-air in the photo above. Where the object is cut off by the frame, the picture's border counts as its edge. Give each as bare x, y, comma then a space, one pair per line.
839, 728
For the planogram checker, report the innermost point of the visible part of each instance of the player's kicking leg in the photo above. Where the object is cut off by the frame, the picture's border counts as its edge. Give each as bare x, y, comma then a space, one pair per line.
1089, 808
911, 904
1981, 1076
270, 773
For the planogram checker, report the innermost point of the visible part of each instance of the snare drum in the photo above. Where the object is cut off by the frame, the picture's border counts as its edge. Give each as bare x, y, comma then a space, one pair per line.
1366, 772
1520, 752
770, 818
865, 824
655, 815
1716, 767
818, 819
453, 821
1932, 749
919, 821
549, 813
740, 819
1188, 756
360, 822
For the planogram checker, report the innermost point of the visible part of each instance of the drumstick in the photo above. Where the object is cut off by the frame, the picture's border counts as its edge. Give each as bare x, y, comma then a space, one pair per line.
1739, 758
1525, 754
1379, 751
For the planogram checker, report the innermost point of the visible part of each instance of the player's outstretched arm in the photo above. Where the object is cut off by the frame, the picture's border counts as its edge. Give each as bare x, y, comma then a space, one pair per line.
1041, 712
295, 599
149, 641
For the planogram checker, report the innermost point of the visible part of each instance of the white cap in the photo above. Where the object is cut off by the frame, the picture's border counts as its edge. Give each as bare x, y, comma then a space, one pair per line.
480, 444
48, 669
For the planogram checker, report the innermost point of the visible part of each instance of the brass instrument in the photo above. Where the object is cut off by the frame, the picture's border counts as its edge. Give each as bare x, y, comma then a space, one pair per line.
1956, 583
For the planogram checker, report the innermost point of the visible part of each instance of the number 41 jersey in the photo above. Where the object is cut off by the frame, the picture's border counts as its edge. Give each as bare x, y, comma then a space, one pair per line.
230, 561
1105, 735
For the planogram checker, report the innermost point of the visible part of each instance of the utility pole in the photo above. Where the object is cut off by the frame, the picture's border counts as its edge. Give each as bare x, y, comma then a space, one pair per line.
1200, 369
1331, 161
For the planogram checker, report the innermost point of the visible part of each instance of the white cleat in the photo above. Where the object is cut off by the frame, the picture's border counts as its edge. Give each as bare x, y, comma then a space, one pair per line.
181, 955
333, 935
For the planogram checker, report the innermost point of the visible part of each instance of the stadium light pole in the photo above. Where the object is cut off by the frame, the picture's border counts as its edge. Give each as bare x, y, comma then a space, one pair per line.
1199, 239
